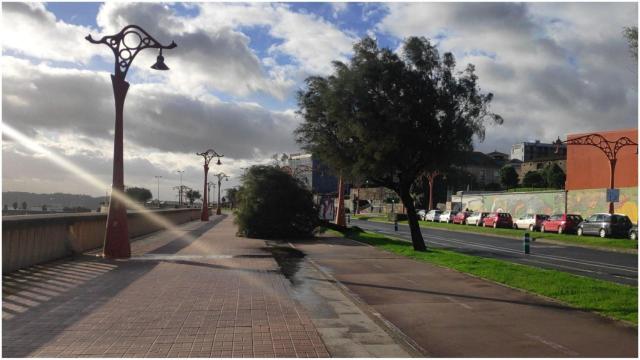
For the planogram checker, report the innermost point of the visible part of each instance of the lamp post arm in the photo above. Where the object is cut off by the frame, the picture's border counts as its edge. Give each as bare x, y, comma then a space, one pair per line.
125, 52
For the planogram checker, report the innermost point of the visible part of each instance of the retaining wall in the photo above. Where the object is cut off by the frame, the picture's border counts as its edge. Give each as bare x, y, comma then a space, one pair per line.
32, 239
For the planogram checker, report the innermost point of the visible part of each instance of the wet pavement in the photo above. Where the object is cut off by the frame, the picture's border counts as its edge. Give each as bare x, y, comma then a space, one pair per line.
194, 291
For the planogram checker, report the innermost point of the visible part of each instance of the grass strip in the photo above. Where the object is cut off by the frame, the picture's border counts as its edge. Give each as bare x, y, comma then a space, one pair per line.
610, 299
611, 243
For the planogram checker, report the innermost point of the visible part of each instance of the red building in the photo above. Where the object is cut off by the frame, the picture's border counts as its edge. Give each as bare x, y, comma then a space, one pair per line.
588, 166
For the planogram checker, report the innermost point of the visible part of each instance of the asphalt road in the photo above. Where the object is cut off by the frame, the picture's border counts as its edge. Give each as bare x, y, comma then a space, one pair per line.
606, 265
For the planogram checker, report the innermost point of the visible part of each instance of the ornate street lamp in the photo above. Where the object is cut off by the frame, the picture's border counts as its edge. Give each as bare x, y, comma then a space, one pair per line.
180, 189
220, 176
609, 148
207, 155
125, 46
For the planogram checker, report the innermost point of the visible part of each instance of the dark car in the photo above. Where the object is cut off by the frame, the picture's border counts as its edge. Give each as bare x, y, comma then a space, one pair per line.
461, 217
498, 220
633, 232
605, 225
561, 223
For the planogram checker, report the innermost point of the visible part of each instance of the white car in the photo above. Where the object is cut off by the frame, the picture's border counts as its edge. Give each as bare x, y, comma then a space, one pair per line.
476, 218
530, 222
421, 214
433, 215
447, 216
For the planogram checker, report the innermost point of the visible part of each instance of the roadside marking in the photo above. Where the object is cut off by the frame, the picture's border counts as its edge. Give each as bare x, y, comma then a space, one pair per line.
552, 345
458, 302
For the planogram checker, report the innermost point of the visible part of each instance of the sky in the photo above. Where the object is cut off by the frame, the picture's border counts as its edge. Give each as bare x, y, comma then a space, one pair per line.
554, 69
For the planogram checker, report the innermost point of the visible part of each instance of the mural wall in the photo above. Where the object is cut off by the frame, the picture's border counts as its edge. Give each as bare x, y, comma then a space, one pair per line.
583, 202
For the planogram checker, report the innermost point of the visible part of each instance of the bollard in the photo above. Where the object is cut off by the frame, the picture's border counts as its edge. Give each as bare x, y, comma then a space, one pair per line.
348, 218
395, 225
526, 243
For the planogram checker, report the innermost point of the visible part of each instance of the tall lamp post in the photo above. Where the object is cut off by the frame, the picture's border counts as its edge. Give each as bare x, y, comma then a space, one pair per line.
211, 183
180, 191
158, 194
609, 148
125, 46
220, 176
207, 156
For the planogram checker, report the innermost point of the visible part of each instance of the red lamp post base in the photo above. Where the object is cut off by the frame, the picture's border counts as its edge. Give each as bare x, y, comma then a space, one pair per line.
116, 240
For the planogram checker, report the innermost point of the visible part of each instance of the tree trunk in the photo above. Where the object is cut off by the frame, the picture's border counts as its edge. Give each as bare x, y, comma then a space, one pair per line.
416, 234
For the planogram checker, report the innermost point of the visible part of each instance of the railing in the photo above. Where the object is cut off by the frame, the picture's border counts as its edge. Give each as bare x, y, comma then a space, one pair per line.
32, 239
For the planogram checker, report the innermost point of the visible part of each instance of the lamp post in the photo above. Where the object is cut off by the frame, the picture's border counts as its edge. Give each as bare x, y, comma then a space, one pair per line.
125, 46
211, 183
609, 148
180, 191
220, 176
158, 194
207, 155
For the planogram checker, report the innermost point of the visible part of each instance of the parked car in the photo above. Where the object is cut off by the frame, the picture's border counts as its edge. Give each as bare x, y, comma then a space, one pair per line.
461, 217
498, 220
421, 214
433, 215
561, 223
447, 216
476, 218
633, 232
530, 221
605, 225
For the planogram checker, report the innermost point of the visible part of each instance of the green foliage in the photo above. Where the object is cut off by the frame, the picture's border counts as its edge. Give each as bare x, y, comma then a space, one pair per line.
24, 205
15, 205
192, 195
610, 299
554, 176
508, 177
232, 194
631, 34
534, 179
492, 187
387, 118
273, 204
139, 194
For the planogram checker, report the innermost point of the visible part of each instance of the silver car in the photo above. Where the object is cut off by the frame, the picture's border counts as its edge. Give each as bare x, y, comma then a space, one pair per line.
433, 215
447, 216
476, 218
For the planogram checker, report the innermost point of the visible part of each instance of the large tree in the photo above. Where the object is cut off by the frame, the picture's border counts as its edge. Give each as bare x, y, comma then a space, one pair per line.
508, 177
534, 179
631, 34
554, 176
192, 195
389, 118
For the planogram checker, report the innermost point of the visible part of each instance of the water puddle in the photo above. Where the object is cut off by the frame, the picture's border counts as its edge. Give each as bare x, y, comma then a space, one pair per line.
288, 260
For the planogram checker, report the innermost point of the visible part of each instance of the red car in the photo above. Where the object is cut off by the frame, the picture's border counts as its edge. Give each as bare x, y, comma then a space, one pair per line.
561, 223
498, 220
461, 217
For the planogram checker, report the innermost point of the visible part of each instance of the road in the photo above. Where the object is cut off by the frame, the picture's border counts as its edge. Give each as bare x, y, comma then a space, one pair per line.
605, 265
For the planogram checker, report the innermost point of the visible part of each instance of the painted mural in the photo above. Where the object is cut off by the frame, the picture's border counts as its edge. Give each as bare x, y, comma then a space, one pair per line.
590, 201
583, 202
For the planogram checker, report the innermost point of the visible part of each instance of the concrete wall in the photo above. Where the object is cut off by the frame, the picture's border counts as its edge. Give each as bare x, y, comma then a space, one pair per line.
33, 239
583, 202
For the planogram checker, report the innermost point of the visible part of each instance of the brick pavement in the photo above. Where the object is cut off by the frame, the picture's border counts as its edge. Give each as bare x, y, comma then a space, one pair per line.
164, 302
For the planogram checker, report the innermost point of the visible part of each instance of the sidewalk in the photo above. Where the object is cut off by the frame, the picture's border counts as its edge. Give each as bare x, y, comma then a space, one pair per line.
195, 291
450, 314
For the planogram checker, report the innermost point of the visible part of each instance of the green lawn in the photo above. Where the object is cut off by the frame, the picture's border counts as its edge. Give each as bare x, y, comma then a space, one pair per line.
567, 238
613, 300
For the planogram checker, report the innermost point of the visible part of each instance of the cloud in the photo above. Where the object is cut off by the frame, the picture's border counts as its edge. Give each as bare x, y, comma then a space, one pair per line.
81, 101
29, 29
553, 68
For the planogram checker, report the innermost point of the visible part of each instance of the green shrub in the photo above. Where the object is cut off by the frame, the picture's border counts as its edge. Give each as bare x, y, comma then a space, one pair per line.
273, 204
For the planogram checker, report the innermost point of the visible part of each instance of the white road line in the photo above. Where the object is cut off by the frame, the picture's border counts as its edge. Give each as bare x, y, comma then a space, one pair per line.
552, 345
458, 302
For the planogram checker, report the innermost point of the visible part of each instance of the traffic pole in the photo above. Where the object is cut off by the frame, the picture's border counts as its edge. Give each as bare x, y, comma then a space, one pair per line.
526, 243
395, 224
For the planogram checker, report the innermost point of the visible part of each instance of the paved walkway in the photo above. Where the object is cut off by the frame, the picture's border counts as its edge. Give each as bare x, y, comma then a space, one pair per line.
195, 291
450, 314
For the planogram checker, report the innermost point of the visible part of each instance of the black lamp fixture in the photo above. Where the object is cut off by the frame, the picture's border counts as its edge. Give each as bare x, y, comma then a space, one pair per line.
160, 65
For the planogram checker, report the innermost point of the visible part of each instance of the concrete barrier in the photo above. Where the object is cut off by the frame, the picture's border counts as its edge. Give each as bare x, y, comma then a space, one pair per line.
32, 239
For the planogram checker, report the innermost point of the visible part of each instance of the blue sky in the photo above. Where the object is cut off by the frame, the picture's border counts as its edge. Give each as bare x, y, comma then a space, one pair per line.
554, 69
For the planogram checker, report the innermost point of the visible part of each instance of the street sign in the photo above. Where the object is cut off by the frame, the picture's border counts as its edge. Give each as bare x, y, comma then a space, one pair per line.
613, 195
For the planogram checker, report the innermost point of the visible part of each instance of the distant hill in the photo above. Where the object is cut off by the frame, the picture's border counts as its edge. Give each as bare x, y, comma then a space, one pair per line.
55, 199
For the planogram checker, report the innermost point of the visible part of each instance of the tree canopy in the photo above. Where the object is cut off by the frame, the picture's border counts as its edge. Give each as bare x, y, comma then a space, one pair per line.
554, 176
139, 194
534, 179
508, 177
388, 117
274, 204
192, 195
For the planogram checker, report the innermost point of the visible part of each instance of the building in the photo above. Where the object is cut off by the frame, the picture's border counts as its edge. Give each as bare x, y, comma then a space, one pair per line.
313, 173
499, 157
588, 167
483, 167
528, 151
541, 163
